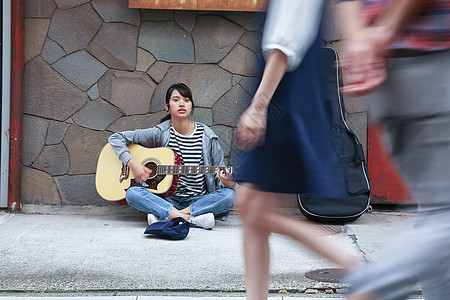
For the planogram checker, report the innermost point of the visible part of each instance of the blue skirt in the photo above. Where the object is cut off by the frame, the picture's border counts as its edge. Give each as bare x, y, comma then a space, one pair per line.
297, 154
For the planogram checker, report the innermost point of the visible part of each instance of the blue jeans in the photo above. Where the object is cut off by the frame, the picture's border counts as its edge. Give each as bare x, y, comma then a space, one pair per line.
218, 202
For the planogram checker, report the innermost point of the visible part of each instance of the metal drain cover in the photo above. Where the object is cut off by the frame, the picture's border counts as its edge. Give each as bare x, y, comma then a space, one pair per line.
327, 275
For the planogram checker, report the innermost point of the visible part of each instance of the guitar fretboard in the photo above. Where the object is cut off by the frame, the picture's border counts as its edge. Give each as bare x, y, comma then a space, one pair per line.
179, 170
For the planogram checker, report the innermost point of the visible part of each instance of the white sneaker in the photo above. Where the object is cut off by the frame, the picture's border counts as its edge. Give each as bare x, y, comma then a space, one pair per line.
205, 221
151, 218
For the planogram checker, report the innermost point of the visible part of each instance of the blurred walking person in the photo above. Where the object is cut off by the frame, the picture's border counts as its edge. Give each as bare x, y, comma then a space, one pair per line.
286, 138
398, 53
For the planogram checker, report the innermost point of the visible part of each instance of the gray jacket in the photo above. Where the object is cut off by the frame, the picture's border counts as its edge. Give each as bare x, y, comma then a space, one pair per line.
158, 136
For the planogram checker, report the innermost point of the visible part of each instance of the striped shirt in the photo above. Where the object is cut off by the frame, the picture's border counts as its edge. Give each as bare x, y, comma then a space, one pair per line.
189, 149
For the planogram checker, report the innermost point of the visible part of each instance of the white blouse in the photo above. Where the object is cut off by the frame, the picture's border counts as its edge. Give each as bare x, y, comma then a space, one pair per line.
291, 27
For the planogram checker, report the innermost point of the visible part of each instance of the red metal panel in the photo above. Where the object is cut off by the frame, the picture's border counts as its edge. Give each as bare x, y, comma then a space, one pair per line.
17, 65
386, 183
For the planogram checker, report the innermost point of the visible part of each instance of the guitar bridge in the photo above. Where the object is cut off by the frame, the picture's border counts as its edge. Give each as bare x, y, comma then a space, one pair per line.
124, 173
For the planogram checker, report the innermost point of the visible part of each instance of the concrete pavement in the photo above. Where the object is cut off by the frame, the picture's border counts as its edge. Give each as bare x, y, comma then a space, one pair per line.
102, 252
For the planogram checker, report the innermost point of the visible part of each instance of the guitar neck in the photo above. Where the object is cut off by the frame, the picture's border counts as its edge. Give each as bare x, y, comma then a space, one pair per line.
180, 170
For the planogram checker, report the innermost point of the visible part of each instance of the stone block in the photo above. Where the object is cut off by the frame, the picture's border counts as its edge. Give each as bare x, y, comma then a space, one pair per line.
93, 92
260, 57
38, 188
156, 15
53, 160
207, 82
135, 75
137, 122
115, 46
35, 32
185, 19
129, 91
55, 132
39, 8
159, 39
203, 115
251, 21
65, 4
235, 155
79, 190
84, 146
236, 79
105, 86
225, 135
116, 11
250, 84
209, 13
355, 104
228, 109
97, 115
252, 40
74, 28
214, 37
241, 61
34, 130
47, 94
330, 31
144, 60
52, 51
80, 68
158, 70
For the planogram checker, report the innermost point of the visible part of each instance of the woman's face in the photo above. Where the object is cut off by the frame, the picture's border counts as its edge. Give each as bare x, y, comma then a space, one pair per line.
179, 106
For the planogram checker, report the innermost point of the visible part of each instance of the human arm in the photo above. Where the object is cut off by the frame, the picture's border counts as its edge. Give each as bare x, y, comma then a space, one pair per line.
226, 178
394, 18
290, 29
120, 140
251, 128
216, 158
367, 46
397, 15
141, 173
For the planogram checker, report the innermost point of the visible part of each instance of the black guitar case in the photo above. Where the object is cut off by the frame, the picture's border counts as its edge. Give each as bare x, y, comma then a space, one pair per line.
354, 198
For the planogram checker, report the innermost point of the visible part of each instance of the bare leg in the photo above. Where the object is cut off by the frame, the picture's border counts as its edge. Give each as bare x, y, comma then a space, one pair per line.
180, 213
361, 296
252, 206
310, 236
256, 209
186, 211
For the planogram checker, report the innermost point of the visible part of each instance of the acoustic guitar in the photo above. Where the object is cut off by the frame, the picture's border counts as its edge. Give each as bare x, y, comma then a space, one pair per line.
113, 178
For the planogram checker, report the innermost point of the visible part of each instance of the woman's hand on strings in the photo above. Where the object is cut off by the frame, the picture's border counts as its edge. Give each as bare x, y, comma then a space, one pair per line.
225, 176
141, 173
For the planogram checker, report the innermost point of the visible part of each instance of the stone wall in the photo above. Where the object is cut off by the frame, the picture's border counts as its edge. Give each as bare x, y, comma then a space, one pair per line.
94, 67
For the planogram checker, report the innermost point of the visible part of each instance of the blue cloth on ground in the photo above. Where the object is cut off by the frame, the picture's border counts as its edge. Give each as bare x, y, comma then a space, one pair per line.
174, 229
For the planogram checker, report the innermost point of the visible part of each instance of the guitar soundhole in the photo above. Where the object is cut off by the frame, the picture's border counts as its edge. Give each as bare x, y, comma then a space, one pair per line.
152, 166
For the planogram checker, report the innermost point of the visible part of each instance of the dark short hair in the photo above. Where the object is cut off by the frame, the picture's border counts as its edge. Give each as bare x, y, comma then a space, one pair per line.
184, 91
